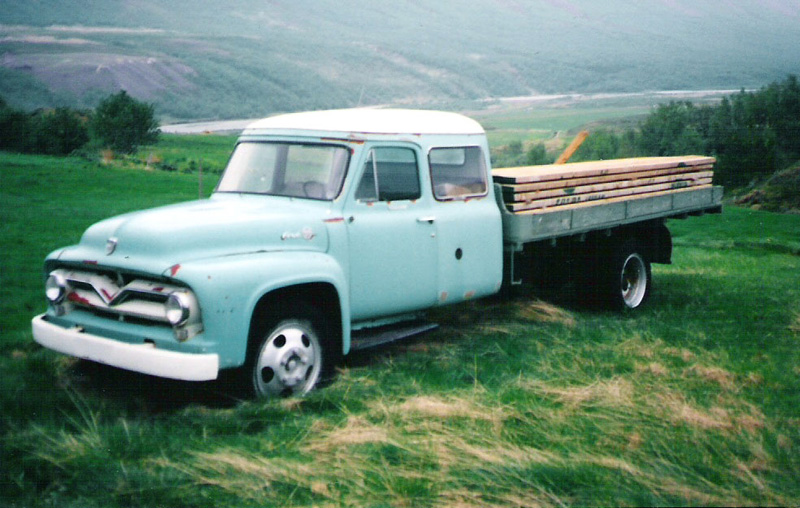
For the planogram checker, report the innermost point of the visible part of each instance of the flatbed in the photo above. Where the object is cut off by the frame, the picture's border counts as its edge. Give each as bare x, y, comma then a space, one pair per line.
524, 227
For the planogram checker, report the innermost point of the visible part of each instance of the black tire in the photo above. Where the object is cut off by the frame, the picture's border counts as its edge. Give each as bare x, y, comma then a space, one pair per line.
288, 355
628, 278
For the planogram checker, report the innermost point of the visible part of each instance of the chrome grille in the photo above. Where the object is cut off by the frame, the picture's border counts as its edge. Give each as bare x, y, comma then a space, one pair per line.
110, 294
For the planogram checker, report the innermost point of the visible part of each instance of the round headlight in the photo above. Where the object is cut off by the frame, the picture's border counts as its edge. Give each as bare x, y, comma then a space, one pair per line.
55, 289
178, 308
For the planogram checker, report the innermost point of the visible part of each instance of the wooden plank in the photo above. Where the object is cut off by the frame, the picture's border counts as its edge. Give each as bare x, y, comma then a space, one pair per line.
572, 148
542, 211
689, 178
530, 174
601, 196
511, 189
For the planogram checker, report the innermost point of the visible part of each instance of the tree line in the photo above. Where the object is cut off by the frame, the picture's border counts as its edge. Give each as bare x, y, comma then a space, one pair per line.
752, 135
119, 123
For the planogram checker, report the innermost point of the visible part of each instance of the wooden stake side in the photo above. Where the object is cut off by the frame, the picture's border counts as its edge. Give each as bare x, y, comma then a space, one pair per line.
509, 190
530, 174
689, 178
598, 197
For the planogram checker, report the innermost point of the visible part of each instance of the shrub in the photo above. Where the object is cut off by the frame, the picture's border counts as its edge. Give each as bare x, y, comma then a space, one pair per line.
59, 132
537, 155
122, 123
52, 132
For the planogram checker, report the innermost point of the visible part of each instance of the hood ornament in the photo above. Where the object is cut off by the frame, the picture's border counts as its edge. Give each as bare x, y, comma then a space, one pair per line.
111, 245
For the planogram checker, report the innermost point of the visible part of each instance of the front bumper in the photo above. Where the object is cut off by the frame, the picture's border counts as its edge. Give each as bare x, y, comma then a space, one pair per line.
144, 358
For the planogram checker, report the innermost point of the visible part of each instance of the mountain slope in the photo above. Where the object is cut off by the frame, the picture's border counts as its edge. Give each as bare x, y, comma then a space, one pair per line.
253, 57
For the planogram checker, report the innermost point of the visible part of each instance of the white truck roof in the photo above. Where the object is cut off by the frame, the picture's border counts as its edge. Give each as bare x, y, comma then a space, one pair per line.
370, 121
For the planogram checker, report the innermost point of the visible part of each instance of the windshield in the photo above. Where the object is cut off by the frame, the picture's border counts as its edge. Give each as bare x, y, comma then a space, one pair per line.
286, 169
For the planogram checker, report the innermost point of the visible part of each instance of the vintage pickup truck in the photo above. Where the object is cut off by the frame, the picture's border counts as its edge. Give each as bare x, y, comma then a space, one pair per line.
332, 231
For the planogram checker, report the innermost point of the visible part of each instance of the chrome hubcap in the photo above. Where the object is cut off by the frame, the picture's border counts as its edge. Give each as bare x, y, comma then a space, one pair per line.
633, 281
289, 361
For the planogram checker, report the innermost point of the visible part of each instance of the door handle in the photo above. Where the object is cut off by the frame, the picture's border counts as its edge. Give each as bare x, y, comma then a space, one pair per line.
429, 219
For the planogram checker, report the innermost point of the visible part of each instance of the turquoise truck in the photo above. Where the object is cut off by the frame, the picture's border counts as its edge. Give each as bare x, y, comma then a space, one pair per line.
329, 232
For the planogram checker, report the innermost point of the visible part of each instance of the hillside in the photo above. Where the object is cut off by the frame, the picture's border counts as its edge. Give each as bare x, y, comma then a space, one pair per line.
255, 57
780, 193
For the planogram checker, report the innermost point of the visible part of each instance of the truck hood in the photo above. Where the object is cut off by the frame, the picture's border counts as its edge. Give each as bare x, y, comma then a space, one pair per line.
226, 224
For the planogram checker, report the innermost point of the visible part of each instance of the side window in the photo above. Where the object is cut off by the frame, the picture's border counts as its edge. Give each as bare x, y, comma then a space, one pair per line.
457, 172
390, 174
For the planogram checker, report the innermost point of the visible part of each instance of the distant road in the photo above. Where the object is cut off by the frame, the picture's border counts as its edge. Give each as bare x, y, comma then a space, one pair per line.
670, 94
216, 127
236, 126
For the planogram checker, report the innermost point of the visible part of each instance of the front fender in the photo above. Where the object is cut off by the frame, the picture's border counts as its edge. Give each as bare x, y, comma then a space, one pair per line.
229, 288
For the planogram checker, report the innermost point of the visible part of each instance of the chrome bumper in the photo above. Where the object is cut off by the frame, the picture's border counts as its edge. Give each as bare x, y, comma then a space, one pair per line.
144, 358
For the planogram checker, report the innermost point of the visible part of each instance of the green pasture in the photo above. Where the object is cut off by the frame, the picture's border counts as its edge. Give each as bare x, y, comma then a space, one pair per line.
558, 119
528, 401
190, 153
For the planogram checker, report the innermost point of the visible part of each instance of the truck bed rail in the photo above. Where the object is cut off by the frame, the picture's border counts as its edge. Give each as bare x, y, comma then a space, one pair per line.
530, 226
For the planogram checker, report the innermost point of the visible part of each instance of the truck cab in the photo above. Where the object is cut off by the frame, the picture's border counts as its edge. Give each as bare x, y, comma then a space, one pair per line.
323, 225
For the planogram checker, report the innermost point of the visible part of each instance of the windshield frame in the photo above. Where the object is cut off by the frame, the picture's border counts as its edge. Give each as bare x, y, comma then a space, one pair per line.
281, 159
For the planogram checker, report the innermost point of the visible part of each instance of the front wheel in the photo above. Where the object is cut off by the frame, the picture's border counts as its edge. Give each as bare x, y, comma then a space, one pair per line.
288, 360
629, 278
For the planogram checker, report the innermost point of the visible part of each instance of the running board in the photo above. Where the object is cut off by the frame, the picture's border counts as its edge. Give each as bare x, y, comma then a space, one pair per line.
372, 337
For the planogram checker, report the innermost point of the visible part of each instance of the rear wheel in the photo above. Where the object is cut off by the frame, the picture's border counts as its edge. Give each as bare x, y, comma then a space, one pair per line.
629, 278
289, 358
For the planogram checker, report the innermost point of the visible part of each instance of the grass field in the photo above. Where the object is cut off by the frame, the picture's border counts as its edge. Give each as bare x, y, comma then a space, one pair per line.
519, 402
538, 124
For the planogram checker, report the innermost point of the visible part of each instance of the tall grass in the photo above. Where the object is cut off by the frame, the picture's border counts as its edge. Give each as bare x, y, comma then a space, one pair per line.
519, 402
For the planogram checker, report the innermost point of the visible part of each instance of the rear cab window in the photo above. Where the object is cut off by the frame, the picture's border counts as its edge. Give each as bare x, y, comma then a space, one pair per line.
457, 172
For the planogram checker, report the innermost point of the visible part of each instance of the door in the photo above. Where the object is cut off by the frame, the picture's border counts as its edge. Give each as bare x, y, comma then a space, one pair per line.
392, 236
469, 236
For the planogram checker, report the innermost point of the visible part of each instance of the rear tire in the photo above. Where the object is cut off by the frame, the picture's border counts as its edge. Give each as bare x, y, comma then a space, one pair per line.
629, 279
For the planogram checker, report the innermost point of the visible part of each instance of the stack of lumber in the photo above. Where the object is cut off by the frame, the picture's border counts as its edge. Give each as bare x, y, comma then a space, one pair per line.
537, 189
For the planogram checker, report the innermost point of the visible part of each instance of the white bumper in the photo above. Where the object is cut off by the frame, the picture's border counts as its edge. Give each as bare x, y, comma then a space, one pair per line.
144, 358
